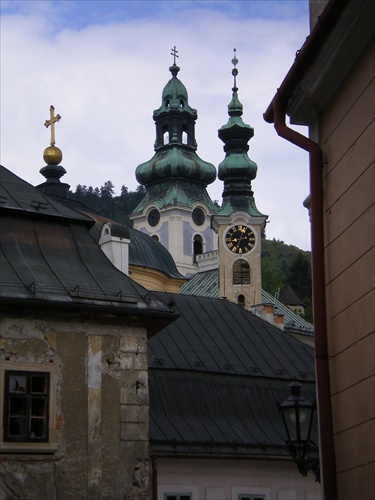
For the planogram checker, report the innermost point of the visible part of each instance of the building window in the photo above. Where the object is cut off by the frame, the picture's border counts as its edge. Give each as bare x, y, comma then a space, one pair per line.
197, 245
28, 407
165, 135
246, 496
26, 398
178, 496
241, 272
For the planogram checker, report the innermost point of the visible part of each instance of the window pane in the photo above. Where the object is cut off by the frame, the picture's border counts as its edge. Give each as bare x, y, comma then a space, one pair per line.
39, 383
38, 407
17, 406
38, 428
17, 427
17, 383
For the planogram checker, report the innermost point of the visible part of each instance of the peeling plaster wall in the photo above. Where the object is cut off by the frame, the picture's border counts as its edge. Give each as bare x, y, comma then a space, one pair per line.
102, 413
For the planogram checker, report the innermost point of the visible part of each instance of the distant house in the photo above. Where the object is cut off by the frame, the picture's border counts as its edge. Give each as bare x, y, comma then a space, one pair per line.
289, 297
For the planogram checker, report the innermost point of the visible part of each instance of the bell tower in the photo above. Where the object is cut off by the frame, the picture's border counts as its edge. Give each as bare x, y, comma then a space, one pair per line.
238, 223
176, 209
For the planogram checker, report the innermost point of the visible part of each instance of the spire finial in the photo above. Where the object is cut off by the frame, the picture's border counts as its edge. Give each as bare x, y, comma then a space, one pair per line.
234, 70
52, 155
54, 118
174, 69
174, 53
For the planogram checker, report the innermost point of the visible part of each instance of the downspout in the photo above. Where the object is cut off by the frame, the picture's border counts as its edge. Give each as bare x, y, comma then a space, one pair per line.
327, 450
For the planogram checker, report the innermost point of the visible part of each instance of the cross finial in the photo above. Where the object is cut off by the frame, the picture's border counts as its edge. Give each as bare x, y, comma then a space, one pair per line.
52, 122
174, 53
234, 70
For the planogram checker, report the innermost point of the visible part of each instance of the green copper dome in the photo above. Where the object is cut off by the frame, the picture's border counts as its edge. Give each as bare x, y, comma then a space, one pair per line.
175, 146
175, 96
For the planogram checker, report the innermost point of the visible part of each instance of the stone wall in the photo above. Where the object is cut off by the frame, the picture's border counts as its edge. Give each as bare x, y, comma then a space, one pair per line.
98, 443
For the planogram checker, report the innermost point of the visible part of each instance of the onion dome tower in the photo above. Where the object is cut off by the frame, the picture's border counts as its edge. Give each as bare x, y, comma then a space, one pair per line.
176, 209
53, 171
239, 222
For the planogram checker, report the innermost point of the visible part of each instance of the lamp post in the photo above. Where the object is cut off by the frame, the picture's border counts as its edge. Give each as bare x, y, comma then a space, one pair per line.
297, 414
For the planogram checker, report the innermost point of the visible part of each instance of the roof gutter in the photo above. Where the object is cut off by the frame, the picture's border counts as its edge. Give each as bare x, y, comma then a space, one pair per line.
276, 113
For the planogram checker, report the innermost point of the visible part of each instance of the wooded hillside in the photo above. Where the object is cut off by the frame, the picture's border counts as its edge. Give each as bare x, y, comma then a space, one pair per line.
281, 263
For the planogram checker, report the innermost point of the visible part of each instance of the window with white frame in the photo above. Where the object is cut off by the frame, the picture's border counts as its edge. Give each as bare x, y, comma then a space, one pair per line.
28, 407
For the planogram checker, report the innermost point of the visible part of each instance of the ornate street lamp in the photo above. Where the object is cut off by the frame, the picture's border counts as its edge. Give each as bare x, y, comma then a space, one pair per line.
297, 413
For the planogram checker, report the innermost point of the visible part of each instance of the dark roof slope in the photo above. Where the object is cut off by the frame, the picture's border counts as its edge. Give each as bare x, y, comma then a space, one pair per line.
18, 195
51, 260
206, 284
147, 252
215, 376
208, 413
289, 297
219, 336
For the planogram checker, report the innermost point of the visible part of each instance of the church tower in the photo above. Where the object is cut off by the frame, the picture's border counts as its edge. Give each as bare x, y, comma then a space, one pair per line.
176, 209
238, 223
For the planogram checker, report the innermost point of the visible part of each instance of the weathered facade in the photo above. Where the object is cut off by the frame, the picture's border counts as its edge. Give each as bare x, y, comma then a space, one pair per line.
75, 405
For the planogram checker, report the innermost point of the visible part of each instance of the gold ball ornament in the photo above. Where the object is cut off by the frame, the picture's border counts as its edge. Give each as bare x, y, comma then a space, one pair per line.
52, 155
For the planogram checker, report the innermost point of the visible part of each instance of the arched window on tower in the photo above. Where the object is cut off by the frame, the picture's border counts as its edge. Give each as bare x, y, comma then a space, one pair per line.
241, 272
165, 135
197, 245
184, 135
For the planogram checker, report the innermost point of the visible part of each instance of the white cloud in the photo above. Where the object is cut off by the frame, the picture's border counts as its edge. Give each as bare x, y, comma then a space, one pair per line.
106, 79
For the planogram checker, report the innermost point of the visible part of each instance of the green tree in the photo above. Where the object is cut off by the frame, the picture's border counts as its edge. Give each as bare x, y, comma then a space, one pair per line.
299, 276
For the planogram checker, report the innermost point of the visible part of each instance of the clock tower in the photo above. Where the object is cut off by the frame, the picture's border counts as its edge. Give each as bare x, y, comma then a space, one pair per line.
238, 223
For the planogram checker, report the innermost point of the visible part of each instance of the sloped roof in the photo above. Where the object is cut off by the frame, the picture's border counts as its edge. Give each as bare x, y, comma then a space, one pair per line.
49, 259
19, 196
227, 339
203, 284
215, 376
289, 297
206, 284
292, 320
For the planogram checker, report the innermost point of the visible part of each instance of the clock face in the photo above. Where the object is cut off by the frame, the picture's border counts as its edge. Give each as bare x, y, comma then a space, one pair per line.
240, 239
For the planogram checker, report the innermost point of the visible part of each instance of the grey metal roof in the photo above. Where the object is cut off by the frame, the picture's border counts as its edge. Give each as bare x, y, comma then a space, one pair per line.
52, 261
216, 335
289, 297
18, 195
207, 413
215, 375
206, 284
147, 252
292, 320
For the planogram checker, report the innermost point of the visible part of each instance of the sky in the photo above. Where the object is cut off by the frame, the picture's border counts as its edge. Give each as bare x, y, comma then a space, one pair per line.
103, 66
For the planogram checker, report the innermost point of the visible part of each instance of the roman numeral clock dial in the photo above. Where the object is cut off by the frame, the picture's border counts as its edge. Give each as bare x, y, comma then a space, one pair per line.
240, 239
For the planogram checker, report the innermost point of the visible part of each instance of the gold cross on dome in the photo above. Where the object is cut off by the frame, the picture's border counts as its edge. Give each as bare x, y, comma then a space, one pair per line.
174, 54
52, 122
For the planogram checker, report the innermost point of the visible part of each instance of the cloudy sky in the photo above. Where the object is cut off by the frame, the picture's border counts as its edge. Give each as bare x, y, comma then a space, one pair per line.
103, 65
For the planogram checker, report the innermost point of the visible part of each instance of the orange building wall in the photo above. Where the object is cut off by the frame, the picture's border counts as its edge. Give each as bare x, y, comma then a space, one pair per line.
347, 131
